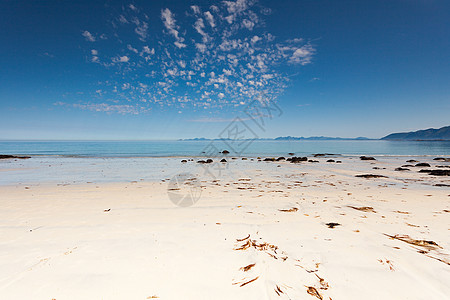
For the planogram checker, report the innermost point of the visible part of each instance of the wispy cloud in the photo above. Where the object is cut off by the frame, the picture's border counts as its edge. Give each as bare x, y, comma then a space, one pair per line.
105, 107
168, 19
209, 57
215, 120
88, 36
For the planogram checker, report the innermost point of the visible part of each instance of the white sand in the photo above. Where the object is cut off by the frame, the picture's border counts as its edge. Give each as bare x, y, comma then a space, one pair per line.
57, 242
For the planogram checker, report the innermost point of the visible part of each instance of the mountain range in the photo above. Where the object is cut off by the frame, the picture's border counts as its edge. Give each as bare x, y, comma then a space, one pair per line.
441, 134
423, 135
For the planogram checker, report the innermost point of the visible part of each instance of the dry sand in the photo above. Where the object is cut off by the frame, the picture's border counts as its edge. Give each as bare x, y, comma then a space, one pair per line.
262, 234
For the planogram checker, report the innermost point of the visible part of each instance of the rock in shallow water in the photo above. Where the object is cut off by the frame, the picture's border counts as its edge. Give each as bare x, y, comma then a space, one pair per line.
423, 165
367, 158
2, 156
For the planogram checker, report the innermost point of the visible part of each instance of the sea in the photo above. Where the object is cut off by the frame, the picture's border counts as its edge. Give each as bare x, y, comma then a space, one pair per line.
250, 148
81, 162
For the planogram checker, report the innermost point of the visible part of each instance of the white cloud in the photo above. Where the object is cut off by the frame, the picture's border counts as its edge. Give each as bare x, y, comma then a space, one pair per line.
255, 39
236, 7
105, 107
88, 36
200, 47
141, 31
248, 24
94, 52
199, 26
169, 22
302, 55
209, 17
179, 44
132, 7
122, 59
195, 9
123, 20
146, 49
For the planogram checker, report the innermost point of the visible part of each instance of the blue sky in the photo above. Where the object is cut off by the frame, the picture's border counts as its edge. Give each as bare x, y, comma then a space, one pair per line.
183, 69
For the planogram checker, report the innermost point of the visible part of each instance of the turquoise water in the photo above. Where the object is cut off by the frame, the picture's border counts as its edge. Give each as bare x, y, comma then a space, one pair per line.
211, 148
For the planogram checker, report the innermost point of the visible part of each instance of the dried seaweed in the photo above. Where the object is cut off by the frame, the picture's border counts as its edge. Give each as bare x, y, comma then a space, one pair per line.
240, 240
313, 292
323, 284
364, 208
371, 176
289, 210
278, 291
250, 281
246, 268
430, 245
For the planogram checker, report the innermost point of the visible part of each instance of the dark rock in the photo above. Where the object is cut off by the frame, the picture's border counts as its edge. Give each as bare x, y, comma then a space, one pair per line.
244, 158
424, 171
184, 161
442, 184
367, 158
423, 165
13, 156
402, 169
412, 161
442, 159
313, 161
281, 158
296, 159
330, 160
339, 162
225, 152
291, 153
223, 160
371, 176
440, 172
269, 159
407, 166
201, 162
332, 224
325, 154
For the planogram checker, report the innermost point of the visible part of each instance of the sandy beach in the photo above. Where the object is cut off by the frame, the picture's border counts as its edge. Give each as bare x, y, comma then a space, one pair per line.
259, 230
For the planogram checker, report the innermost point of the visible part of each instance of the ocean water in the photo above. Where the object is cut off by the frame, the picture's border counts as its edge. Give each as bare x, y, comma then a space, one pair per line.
73, 162
211, 148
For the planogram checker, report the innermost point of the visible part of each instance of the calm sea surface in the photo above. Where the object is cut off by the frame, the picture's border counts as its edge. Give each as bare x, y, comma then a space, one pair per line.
242, 148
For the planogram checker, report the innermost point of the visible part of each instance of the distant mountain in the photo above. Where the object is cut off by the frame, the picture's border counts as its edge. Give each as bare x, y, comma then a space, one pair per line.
424, 135
287, 138
315, 138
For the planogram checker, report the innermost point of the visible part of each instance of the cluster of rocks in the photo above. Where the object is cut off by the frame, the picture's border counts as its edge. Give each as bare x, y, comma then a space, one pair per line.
293, 159
436, 172
208, 161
